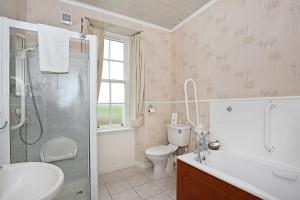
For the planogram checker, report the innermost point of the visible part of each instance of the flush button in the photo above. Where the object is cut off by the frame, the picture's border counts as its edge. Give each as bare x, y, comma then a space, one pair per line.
179, 131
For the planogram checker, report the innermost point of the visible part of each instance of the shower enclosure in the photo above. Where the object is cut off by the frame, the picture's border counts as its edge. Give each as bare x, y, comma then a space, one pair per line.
39, 109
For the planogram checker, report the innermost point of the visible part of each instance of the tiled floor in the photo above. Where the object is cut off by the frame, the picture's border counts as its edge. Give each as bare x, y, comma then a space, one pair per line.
136, 184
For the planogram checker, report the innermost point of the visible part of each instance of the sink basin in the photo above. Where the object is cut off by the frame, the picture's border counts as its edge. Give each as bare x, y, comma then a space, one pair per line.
30, 181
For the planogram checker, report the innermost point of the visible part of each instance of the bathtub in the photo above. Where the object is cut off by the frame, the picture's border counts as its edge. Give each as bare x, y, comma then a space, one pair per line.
264, 179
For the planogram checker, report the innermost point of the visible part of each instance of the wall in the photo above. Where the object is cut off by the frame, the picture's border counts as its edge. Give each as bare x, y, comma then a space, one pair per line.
158, 61
239, 48
14, 9
245, 136
116, 150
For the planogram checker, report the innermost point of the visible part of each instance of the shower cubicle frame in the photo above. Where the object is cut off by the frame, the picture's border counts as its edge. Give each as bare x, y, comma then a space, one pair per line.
5, 25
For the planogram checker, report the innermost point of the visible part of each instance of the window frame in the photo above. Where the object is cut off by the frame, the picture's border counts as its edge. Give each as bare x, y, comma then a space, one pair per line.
126, 64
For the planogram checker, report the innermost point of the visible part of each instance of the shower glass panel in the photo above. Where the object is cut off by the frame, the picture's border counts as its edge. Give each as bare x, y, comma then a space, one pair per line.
56, 106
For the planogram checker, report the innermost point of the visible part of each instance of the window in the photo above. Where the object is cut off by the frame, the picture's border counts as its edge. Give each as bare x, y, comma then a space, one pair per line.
113, 101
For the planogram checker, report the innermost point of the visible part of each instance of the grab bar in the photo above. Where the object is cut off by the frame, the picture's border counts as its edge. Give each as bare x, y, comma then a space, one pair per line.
198, 126
285, 174
22, 91
268, 147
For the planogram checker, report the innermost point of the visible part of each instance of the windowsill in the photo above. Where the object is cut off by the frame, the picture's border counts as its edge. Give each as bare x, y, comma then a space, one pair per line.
114, 130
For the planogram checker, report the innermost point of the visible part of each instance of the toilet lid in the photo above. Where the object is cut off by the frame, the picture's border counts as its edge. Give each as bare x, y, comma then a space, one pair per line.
159, 150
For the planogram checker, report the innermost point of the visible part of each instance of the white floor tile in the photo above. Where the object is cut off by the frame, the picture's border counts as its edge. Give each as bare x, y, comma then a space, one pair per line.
118, 186
149, 174
171, 193
135, 183
148, 190
165, 183
161, 196
112, 176
137, 180
126, 195
104, 197
102, 189
131, 171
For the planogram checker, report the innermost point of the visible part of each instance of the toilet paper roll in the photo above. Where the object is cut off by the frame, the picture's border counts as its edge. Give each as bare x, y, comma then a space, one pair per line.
151, 110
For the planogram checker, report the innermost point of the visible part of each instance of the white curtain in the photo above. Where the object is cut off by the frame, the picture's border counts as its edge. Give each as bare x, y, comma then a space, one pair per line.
89, 29
138, 79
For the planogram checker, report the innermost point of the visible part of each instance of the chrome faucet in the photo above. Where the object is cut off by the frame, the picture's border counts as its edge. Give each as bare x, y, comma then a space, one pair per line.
202, 146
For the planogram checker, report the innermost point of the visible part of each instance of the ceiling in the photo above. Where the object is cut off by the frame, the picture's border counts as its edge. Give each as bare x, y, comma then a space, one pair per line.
164, 13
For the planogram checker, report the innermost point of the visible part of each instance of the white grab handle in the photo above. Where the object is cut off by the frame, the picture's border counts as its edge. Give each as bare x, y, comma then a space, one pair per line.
268, 147
285, 174
22, 91
198, 125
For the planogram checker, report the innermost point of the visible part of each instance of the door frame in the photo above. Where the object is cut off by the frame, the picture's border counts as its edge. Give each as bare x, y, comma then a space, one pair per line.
5, 25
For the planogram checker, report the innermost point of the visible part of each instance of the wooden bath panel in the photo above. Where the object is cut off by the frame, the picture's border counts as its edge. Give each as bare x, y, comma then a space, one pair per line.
194, 184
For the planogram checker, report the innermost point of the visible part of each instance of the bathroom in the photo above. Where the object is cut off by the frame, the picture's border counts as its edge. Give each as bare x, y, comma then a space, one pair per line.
159, 100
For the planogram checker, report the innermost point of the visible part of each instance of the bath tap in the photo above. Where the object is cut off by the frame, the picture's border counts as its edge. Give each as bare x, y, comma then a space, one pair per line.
202, 146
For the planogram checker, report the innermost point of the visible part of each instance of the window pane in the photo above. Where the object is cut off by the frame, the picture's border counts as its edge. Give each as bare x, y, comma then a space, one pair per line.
106, 48
117, 113
116, 50
116, 70
105, 72
117, 92
104, 93
102, 114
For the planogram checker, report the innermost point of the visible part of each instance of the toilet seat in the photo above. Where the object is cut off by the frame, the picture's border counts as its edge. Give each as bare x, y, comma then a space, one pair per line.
159, 150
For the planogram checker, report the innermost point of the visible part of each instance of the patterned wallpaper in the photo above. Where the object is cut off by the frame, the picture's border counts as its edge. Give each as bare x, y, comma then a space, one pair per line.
238, 49
13, 9
241, 48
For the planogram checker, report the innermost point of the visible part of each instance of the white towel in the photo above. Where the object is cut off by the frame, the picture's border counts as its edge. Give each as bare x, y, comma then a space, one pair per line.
53, 49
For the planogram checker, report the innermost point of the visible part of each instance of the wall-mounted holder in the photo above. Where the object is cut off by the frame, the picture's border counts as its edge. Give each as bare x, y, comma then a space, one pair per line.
151, 109
66, 18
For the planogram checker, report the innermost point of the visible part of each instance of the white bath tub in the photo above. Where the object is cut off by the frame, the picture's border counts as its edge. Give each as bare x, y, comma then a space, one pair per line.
263, 179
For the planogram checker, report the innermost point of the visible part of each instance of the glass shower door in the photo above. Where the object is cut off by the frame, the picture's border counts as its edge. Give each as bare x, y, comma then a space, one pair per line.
57, 113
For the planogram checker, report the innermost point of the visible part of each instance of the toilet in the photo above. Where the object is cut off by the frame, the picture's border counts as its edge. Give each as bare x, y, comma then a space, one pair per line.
162, 156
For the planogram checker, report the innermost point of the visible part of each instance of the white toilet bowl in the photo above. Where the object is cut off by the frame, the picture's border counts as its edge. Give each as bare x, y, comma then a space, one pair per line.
159, 156
162, 156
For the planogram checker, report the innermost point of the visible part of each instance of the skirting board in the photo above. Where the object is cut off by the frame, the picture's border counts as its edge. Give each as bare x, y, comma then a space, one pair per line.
142, 165
116, 167
125, 165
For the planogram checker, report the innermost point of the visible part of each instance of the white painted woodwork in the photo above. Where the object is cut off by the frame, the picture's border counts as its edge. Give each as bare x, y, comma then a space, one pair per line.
116, 150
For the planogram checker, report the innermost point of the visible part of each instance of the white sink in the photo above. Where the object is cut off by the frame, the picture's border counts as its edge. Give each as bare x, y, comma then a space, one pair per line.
30, 181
